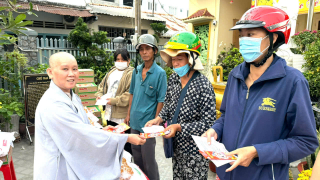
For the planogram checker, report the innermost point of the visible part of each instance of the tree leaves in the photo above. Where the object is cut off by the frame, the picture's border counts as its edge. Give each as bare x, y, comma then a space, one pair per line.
229, 59
4, 8
203, 34
20, 18
312, 65
97, 58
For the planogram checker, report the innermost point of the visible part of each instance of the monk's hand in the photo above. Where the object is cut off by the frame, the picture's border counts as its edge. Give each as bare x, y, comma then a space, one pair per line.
127, 120
210, 133
109, 128
108, 101
152, 122
98, 98
136, 139
173, 128
245, 157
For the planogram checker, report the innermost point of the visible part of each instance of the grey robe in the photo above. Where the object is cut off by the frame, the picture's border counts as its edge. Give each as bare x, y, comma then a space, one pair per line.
67, 146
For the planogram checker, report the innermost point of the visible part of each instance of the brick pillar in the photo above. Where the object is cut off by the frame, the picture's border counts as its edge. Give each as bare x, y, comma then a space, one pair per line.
28, 46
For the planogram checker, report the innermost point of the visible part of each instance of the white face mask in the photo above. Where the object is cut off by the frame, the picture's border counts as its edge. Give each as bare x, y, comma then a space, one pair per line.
121, 65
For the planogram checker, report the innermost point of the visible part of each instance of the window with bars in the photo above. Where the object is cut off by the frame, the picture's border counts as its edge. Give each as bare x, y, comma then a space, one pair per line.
54, 25
149, 5
172, 10
128, 3
116, 32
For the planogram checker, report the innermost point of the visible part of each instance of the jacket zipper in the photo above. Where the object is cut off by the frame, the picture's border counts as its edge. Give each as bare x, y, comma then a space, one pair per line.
245, 106
272, 172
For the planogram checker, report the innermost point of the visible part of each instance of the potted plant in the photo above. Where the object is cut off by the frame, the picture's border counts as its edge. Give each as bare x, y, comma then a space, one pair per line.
305, 165
10, 105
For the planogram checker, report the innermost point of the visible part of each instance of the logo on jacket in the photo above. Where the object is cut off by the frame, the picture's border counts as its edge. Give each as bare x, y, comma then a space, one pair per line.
268, 104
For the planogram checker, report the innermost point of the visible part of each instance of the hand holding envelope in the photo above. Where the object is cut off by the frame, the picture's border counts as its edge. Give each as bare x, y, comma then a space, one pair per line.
216, 152
153, 131
119, 129
103, 99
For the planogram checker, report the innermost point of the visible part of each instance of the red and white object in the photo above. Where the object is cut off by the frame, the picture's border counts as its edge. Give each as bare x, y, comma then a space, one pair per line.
216, 152
137, 172
153, 131
94, 121
6, 141
120, 128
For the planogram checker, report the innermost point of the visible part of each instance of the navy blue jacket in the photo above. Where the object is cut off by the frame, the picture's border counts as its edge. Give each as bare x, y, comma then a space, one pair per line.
274, 115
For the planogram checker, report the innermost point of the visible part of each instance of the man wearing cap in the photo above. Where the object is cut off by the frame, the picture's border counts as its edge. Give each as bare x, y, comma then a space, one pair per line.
147, 92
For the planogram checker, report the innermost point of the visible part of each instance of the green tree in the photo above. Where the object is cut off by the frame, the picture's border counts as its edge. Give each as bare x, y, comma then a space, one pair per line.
159, 29
312, 65
90, 44
13, 65
9, 23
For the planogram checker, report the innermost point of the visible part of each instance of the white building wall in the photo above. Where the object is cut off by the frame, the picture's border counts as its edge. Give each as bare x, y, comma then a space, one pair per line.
178, 8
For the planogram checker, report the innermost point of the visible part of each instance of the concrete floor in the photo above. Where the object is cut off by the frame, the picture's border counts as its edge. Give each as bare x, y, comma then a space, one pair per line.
23, 154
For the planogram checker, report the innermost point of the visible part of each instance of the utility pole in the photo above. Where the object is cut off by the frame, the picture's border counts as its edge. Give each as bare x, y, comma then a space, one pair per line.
153, 8
137, 17
310, 15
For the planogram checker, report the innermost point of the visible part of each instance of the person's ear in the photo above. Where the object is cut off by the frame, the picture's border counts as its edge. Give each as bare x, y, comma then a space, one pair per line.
275, 37
156, 51
49, 72
128, 62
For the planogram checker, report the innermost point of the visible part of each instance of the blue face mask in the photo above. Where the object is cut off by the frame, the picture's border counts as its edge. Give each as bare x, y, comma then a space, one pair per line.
250, 48
181, 71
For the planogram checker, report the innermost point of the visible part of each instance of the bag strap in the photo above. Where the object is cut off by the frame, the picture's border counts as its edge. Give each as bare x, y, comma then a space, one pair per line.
182, 95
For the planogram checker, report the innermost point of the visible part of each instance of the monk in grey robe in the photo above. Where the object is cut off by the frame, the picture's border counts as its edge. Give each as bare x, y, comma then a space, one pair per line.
67, 146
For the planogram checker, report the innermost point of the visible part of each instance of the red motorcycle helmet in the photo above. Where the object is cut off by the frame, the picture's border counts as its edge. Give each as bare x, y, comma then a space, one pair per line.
272, 19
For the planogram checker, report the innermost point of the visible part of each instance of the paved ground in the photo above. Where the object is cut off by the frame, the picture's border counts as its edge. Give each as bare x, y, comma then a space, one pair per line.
23, 154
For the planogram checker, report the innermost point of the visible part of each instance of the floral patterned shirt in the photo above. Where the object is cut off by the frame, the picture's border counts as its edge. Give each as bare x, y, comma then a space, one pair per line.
197, 113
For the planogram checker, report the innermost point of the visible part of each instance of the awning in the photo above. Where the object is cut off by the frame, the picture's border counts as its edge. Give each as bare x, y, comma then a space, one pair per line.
53, 9
118, 11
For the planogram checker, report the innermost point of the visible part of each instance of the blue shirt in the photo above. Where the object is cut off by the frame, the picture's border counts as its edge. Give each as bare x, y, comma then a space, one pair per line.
146, 95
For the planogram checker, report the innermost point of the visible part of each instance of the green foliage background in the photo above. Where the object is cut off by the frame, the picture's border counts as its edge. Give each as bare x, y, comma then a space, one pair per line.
302, 39
229, 58
13, 65
90, 43
203, 34
159, 29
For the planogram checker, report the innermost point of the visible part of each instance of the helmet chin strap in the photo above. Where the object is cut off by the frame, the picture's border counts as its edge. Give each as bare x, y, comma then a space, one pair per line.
193, 60
270, 52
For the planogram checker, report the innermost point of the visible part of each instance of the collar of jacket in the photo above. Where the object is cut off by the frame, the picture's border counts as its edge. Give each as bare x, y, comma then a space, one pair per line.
113, 68
62, 94
151, 70
274, 71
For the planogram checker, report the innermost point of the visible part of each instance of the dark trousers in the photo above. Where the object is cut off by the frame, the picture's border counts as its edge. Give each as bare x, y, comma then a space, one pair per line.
144, 157
127, 146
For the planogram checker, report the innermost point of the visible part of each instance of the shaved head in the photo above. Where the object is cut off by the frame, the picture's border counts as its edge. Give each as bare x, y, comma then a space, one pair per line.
56, 58
63, 70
